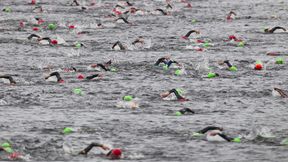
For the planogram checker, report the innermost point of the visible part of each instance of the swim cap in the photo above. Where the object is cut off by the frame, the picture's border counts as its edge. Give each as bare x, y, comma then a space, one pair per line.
33, 2
178, 113
284, 142
52, 26
127, 98
233, 68
194, 21
258, 67
78, 45
9, 149
54, 42
196, 134
279, 61
178, 72
67, 130
211, 75
78, 91
7, 9
6, 144
232, 37
35, 29
116, 153
241, 44
237, 140
180, 91
80, 76
71, 27
113, 69
206, 45
165, 67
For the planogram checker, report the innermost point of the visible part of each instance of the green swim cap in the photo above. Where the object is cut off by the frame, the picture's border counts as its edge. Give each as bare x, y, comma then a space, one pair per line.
196, 134
178, 72
9, 149
211, 75
284, 142
237, 140
194, 21
165, 67
52, 26
241, 44
67, 130
180, 91
206, 44
259, 62
127, 98
178, 113
113, 69
78, 91
6, 144
233, 68
78, 45
7, 9
279, 61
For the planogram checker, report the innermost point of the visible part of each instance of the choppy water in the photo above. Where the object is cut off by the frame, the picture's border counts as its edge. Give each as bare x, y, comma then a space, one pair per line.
33, 113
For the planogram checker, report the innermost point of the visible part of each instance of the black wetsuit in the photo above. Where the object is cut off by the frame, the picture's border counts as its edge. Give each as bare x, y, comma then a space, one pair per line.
161, 60
12, 81
179, 97
186, 110
228, 63
92, 76
87, 149
274, 29
55, 74
103, 67
203, 131
170, 62
119, 44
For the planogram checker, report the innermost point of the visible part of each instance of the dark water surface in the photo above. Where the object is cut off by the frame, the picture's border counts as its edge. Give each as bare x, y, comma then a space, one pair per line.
33, 113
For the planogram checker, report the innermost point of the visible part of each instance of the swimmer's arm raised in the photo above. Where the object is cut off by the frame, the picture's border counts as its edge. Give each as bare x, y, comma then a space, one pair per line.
87, 149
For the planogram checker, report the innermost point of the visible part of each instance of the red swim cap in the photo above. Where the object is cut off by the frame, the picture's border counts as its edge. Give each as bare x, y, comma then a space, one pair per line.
54, 42
258, 67
232, 37
14, 155
33, 2
35, 29
116, 153
80, 76
61, 81
71, 27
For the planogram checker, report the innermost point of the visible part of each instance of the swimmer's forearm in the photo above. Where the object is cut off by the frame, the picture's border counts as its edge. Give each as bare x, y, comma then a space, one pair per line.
87, 149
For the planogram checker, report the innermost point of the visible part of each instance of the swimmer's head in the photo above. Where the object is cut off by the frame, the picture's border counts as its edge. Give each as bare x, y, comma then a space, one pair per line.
266, 30
6, 144
128, 98
115, 153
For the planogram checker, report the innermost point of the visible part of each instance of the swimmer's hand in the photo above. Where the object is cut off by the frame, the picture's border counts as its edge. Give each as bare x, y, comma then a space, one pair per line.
83, 152
105, 147
165, 94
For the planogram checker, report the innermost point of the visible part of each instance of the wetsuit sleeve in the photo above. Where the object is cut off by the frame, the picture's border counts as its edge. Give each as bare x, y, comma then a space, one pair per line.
183, 111
203, 131
171, 62
102, 66
176, 93
159, 61
225, 137
87, 149
92, 76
